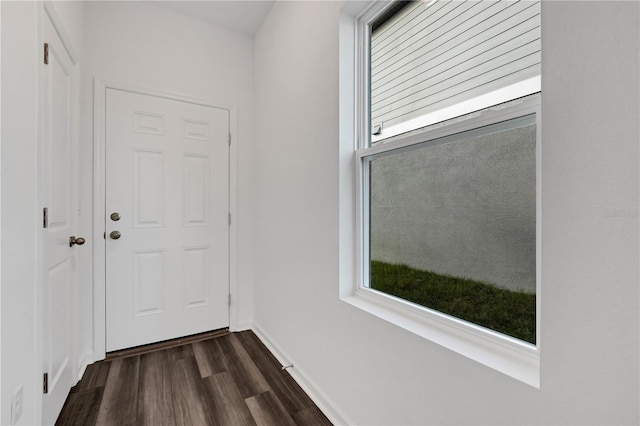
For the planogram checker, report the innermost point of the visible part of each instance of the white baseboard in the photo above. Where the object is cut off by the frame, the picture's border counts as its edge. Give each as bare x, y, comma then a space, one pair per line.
243, 326
84, 361
324, 403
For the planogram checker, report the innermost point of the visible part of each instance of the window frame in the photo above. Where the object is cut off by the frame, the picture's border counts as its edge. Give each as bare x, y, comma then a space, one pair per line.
511, 356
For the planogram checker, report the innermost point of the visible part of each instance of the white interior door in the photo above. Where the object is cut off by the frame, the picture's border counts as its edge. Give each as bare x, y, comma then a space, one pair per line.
57, 151
167, 230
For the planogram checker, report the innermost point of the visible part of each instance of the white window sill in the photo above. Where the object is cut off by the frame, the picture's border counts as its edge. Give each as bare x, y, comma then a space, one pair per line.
507, 355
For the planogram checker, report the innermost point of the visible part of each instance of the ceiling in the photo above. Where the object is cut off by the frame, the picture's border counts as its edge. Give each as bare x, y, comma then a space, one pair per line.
240, 16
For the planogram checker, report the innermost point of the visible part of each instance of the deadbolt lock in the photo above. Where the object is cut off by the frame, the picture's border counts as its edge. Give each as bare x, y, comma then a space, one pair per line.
115, 216
115, 235
73, 240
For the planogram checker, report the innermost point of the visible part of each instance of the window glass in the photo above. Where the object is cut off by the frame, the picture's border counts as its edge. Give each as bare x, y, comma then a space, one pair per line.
426, 56
452, 225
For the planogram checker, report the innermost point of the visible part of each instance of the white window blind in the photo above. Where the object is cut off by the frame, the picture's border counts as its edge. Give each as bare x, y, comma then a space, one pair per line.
432, 55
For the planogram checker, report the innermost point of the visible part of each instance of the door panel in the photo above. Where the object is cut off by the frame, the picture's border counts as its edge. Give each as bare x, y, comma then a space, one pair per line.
56, 165
167, 175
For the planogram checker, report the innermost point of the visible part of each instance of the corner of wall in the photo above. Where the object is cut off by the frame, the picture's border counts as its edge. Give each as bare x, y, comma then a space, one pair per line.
308, 385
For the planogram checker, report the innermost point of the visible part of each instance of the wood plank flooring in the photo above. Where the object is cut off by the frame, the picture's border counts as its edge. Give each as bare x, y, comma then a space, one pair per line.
226, 380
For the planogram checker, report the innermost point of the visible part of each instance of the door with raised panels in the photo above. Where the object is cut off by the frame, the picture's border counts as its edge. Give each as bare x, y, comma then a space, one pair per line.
167, 228
57, 181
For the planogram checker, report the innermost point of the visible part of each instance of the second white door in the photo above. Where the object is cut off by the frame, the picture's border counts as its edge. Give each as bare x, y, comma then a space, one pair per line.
167, 226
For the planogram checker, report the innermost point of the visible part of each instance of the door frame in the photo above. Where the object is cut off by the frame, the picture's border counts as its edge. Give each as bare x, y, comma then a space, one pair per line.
99, 213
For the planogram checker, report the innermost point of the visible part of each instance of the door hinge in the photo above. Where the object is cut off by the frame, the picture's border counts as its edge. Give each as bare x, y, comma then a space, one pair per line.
45, 383
45, 217
229, 139
46, 53
229, 299
229, 219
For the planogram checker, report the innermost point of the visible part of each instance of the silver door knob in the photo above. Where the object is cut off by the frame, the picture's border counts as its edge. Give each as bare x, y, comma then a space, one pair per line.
73, 240
115, 216
115, 235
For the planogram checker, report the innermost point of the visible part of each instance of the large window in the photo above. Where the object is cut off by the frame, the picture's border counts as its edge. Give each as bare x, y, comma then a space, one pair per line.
447, 163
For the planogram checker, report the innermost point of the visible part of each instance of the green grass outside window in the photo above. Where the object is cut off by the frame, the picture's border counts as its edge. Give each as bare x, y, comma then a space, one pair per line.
506, 311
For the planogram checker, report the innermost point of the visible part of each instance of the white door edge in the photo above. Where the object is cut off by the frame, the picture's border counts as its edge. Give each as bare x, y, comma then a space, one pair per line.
99, 190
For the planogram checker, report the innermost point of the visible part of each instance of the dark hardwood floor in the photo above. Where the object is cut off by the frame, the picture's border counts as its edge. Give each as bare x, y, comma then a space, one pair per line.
227, 380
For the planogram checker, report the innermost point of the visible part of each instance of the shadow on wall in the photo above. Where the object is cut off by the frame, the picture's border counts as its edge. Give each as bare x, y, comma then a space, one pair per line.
466, 208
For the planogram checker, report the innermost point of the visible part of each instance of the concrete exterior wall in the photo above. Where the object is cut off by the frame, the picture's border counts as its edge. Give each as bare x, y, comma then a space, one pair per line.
466, 208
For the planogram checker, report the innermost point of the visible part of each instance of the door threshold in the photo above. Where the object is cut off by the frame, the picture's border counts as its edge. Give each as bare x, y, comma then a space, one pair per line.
166, 344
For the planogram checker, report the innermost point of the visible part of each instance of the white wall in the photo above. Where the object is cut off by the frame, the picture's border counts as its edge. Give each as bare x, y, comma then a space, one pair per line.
20, 211
19, 138
376, 373
139, 44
